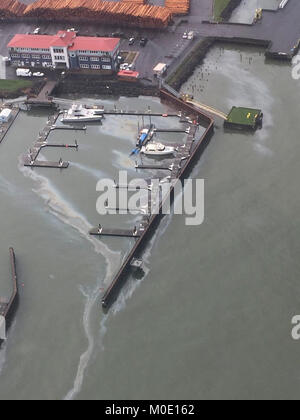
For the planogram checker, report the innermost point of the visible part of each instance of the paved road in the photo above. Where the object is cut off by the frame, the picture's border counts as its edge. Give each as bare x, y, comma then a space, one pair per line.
280, 27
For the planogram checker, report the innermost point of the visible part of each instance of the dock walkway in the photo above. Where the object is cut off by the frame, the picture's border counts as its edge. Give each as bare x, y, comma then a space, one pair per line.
215, 112
44, 97
31, 160
177, 168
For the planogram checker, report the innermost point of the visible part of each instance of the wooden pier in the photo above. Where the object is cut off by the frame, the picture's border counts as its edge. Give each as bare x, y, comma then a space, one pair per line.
69, 128
122, 233
165, 130
8, 307
154, 167
179, 168
138, 113
46, 164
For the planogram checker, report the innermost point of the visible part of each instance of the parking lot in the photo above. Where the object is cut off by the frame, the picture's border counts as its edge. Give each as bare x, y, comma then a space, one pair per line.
165, 46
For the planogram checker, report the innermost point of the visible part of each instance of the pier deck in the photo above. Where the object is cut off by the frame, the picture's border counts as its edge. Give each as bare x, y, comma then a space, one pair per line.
122, 233
180, 165
43, 98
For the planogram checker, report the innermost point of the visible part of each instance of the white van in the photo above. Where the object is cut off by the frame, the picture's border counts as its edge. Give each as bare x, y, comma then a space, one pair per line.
191, 35
23, 73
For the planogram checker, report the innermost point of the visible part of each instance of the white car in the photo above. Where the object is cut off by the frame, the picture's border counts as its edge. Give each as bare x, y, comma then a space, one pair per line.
191, 35
37, 31
185, 35
38, 74
124, 66
23, 73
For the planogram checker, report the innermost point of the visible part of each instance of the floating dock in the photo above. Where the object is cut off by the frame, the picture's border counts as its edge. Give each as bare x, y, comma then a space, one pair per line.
244, 118
8, 308
180, 167
121, 233
31, 160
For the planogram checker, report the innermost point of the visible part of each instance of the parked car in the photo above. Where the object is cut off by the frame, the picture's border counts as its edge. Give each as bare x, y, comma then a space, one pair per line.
185, 35
38, 74
23, 73
191, 35
131, 41
124, 66
143, 42
37, 31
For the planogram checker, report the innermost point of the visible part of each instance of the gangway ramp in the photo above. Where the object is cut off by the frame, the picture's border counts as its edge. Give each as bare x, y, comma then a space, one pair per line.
208, 108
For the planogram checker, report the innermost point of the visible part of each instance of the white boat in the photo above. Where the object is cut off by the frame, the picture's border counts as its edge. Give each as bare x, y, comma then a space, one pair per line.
157, 149
78, 113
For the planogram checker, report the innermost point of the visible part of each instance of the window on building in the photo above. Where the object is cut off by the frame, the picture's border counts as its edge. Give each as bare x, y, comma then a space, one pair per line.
81, 58
106, 59
84, 66
94, 58
95, 67
106, 67
58, 50
59, 58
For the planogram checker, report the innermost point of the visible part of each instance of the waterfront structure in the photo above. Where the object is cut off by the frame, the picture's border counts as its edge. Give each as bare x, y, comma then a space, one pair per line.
65, 50
244, 118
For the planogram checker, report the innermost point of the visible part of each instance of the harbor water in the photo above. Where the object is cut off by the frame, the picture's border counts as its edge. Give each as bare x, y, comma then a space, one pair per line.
212, 316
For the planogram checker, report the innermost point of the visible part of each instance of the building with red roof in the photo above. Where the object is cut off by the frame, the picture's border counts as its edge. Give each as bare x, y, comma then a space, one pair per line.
64, 50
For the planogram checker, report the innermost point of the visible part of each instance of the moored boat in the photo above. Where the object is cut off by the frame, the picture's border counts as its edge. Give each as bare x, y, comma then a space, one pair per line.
78, 113
157, 149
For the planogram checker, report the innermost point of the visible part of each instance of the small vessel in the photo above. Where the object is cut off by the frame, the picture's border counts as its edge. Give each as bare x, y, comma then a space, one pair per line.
145, 135
78, 113
157, 149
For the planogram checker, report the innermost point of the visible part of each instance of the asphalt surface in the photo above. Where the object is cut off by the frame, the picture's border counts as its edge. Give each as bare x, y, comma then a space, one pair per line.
168, 46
